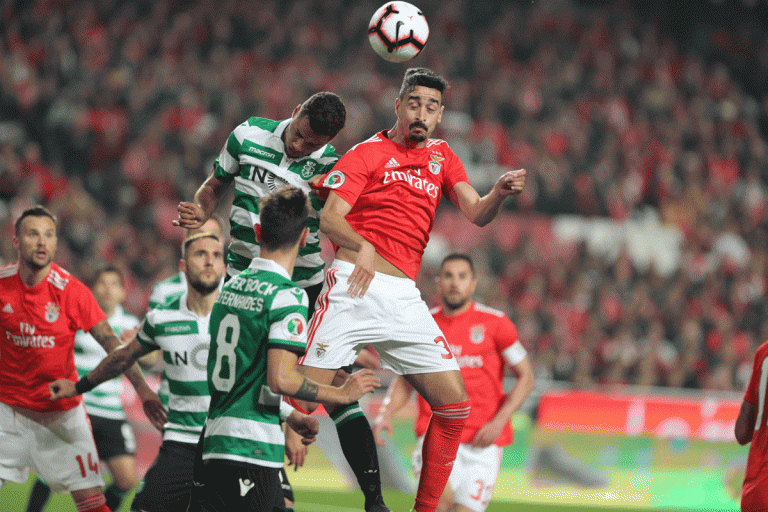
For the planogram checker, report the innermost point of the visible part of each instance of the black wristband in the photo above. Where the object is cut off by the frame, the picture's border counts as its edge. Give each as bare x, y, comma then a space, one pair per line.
83, 385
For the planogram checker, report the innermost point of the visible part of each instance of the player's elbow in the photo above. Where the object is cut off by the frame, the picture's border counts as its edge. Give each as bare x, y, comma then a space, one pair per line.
277, 383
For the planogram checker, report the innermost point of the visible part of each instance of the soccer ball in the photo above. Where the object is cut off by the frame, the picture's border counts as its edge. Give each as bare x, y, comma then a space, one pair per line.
398, 31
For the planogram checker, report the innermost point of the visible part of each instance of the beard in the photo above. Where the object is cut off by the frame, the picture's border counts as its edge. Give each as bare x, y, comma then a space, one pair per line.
34, 264
418, 137
202, 287
455, 303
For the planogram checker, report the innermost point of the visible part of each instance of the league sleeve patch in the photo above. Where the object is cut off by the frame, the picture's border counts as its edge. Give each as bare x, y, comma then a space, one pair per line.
334, 179
293, 327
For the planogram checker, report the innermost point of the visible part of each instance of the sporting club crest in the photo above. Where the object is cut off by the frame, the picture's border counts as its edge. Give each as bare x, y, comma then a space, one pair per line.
52, 312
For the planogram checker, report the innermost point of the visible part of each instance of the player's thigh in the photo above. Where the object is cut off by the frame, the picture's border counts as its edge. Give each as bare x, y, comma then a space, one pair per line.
15, 437
168, 482
439, 388
64, 453
233, 487
474, 475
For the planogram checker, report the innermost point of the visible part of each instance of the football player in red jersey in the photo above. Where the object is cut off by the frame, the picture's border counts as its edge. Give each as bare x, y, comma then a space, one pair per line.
752, 426
41, 307
483, 340
383, 196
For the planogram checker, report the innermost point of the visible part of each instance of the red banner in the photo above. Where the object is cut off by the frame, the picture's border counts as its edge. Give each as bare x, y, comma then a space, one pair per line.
656, 416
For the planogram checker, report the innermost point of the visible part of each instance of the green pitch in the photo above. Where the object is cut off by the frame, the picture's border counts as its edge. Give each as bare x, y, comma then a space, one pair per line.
13, 498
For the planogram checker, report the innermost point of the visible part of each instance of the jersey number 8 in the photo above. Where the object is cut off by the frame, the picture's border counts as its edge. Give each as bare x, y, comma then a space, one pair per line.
225, 347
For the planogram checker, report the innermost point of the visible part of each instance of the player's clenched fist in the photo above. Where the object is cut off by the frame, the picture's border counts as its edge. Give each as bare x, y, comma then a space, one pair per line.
62, 388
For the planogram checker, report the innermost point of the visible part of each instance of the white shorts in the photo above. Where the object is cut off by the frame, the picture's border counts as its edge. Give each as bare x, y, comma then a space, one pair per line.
473, 476
59, 446
391, 316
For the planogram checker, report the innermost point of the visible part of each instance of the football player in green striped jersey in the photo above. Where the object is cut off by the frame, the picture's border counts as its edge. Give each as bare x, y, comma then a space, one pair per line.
180, 329
260, 156
258, 331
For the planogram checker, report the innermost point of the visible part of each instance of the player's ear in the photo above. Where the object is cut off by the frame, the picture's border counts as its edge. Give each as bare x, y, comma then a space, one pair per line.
182, 265
304, 235
296, 110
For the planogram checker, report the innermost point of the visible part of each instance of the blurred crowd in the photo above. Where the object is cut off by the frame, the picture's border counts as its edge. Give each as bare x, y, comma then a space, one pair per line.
113, 111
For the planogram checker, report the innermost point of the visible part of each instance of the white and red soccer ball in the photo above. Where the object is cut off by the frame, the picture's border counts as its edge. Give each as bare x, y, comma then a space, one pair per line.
398, 31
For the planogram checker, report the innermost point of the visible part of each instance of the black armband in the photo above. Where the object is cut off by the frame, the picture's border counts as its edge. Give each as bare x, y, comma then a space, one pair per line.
83, 385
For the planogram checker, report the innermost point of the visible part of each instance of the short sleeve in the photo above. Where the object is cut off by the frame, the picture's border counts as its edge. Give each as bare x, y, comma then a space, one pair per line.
86, 311
146, 335
227, 165
348, 177
505, 334
454, 171
288, 321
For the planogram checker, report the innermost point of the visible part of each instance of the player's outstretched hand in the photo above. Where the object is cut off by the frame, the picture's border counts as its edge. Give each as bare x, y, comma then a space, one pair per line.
295, 448
382, 422
358, 384
153, 408
511, 182
62, 388
191, 216
304, 425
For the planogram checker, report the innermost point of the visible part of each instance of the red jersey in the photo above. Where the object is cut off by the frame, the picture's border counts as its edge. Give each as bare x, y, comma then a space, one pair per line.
394, 192
478, 338
754, 495
37, 335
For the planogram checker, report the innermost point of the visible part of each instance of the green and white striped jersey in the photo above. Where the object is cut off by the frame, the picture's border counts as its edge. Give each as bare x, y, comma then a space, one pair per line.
105, 400
167, 289
184, 338
259, 309
254, 157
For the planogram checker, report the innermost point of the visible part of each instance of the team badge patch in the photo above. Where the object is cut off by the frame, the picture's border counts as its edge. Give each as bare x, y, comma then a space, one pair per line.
435, 163
308, 170
321, 348
335, 179
52, 312
477, 333
295, 327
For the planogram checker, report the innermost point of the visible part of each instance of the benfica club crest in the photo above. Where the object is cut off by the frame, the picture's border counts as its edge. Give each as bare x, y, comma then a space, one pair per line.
477, 333
321, 347
435, 164
52, 312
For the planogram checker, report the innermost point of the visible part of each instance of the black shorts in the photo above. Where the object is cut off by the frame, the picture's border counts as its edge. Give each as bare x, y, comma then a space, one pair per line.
112, 437
168, 483
313, 292
223, 486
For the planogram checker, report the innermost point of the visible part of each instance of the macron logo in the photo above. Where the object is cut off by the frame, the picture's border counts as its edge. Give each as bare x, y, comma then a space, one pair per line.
392, 163
245, 486
7, 308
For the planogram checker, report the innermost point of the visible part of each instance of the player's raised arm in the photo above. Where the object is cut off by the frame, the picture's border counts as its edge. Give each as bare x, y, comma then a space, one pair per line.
482, 210
193, 215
